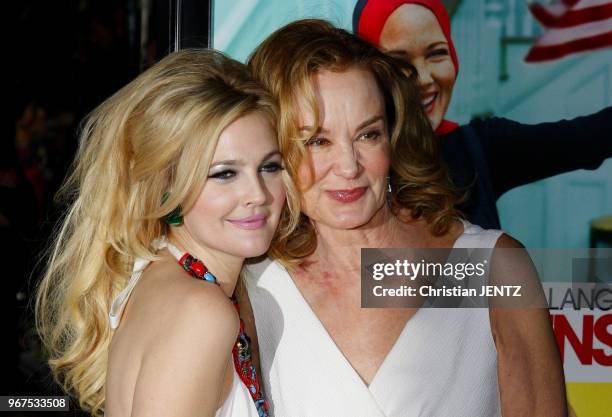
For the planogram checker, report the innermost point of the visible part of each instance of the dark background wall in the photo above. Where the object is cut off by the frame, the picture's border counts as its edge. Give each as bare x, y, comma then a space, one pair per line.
63, 58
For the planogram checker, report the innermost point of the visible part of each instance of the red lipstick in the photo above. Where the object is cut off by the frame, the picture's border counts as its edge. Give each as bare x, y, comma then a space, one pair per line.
347, 196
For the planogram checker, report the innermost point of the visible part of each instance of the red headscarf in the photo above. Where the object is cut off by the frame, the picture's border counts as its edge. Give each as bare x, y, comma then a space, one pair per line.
369, 18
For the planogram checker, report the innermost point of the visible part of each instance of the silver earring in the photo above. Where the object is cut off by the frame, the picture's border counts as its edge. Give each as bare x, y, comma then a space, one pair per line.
389, 190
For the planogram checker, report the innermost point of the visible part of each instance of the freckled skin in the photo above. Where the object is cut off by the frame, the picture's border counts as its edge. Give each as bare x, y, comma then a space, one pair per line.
324, 282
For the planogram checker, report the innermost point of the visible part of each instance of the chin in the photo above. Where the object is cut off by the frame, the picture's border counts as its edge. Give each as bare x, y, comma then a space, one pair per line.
348, 222
246, 248
255, 250
435, 122
347, 218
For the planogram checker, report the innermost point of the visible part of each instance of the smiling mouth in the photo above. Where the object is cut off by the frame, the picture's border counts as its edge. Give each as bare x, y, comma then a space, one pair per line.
347, 196
428, 103
250, 223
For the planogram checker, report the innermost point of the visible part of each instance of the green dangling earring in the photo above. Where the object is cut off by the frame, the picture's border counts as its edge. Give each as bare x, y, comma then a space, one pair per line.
175, 217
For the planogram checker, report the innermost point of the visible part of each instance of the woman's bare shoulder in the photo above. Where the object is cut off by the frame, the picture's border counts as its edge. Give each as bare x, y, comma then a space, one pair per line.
167, 298
507, 241
191, 327
176, 331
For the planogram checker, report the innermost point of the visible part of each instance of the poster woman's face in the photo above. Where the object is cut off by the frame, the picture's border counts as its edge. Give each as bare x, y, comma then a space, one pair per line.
412, 33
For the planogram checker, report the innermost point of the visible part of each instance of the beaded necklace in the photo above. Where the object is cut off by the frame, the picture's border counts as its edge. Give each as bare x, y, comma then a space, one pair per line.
243, 359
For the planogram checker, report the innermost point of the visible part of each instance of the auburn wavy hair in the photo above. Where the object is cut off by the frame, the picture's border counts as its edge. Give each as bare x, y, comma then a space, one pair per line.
285, 64
143, 152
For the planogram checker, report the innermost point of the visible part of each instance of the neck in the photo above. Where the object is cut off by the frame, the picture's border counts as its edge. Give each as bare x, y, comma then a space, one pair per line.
342, 247
225, 267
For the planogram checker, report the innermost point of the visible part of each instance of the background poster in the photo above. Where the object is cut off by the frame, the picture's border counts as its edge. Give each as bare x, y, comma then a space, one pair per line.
492, 38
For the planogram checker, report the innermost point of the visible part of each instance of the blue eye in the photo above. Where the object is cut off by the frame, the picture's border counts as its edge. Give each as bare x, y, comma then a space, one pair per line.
317, 142
373, 135
223, 175
271, 167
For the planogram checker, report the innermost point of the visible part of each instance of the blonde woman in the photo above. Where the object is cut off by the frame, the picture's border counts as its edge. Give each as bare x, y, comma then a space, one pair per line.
178, 177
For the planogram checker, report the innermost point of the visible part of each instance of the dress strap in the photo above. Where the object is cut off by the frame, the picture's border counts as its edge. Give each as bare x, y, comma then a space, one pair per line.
118, 305
119, 302
474, 236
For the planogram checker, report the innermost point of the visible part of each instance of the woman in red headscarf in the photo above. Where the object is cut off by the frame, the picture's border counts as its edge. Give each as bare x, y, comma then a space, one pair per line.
493, 155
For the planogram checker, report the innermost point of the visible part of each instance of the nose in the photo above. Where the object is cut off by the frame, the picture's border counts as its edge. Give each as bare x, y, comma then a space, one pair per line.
423, 74
347, 161
256, 192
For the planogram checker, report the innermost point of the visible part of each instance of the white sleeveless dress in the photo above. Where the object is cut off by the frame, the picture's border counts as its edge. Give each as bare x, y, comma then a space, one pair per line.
443, 364
239, 402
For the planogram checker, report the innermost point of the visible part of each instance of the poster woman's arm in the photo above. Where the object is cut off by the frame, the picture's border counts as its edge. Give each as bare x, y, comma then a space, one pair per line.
518, 154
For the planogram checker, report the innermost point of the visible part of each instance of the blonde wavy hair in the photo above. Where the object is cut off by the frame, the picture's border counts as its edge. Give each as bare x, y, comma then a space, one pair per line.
143, 152
285, 64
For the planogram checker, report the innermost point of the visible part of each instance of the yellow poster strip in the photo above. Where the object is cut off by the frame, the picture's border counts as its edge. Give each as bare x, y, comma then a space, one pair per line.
590, 399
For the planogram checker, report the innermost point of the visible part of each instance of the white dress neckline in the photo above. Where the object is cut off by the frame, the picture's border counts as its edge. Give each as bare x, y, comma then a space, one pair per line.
299, 298
296, 349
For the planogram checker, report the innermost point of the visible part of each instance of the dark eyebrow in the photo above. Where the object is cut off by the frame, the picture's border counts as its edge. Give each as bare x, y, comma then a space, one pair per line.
370, 121
436, 44
271, 154
239, 162
361, 126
